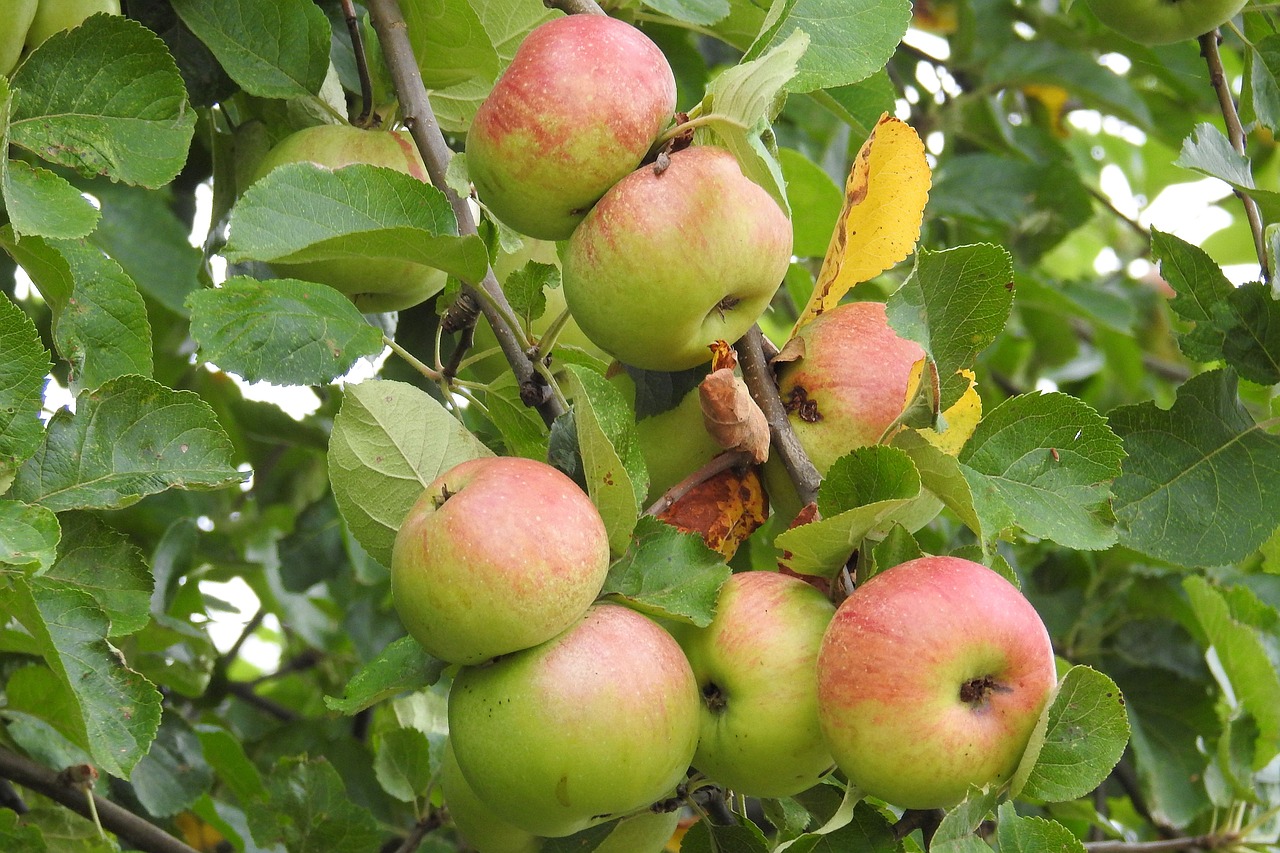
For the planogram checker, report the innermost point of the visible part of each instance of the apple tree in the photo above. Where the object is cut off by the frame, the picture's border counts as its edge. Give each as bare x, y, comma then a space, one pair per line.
700, 425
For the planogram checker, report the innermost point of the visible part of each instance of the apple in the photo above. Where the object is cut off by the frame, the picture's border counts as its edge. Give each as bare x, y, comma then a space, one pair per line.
578, 108
756, 665
373, 284
931, 678
497, 555
597, 723
675, 443
53, 16
474, 819
1164, 21
14, 33
670, 261
851, 383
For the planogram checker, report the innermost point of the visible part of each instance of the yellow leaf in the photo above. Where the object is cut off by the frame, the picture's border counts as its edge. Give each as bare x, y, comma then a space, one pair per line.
1054, 100
961, 419
879, 224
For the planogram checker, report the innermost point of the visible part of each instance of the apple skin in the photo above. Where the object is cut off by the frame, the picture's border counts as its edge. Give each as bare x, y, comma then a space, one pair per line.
578, 108
14, 33
854, 375
514, 555
931, 678
54, 16
474, 819
756, 665
597, 723
664, 265
1164, 21
675, 443
374, 284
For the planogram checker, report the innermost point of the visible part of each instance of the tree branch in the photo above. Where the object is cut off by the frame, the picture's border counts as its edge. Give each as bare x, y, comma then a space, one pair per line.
362, 64
1235, 132
420, 119
764, 390
1167, 845
576, 7
137, 831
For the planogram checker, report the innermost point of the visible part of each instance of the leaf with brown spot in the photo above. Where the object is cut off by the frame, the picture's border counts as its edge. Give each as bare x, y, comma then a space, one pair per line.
731, 416
724, 510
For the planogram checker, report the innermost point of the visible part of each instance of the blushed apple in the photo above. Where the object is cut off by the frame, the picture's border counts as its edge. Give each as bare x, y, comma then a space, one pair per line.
756, 665
670, 261
1164, 21
373, 284
931, 678
597, 723
578, 108
497, 555
852, 382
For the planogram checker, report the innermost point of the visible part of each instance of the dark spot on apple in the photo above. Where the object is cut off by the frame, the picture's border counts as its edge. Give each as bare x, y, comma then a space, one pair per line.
562, 791
714, 697
726, 304
799, 404
976, 690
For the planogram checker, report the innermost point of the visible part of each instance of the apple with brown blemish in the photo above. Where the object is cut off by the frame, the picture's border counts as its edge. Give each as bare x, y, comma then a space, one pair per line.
931, 678
498, 554
584, 99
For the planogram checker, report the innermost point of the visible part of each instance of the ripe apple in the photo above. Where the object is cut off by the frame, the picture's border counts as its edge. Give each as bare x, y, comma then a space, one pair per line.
669, 262
53, 16
597, 723
851, 383
931, 678
14, 33
499, 554
583, 100
373, 284
1164, 21
756, 664
474, 819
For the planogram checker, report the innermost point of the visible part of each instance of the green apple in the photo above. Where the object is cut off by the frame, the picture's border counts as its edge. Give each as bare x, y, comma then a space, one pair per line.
497, 555
931, 678
1164, 21
584, 99
53, 16
851, 383
675, 443
475, 821
600, 722
756, 665
670, 261
373, 284
14, 32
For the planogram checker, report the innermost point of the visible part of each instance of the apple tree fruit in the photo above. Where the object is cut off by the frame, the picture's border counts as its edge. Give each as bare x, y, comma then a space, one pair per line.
1164, 21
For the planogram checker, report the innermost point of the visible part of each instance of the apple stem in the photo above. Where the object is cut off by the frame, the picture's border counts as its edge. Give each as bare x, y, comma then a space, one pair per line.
1235, 132
548, 340
720, 462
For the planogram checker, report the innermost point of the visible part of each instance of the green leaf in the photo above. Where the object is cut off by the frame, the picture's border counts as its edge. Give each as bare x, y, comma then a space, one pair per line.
849, 39
401, 667
225, 754
706, 837
303, 212
402, 764
101, 561
1240, 325
44, 204
943, 476
271, 48
283, 331
701, 12
1260, 99
522, 428
954, 304
308, 810
389, 441
117, 710
1044, 462
1244, 654
1084, 732
668, 573
28, 536
100, 322
524, 289
867, 831
450, 43
104, 98
1033, 834
24, 838
616, 477
22, 376
811, 190
1208, 151
1171, 502
955, 834
173, 774
863, 490
131, 438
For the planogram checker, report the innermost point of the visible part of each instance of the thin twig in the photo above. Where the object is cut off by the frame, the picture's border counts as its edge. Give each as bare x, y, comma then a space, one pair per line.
249, 628
576, 7
245, 693
720, 462
420, 119
420, 831
1235, 132
1167, 845
138, 831
11, 799
764, 390
362, 63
